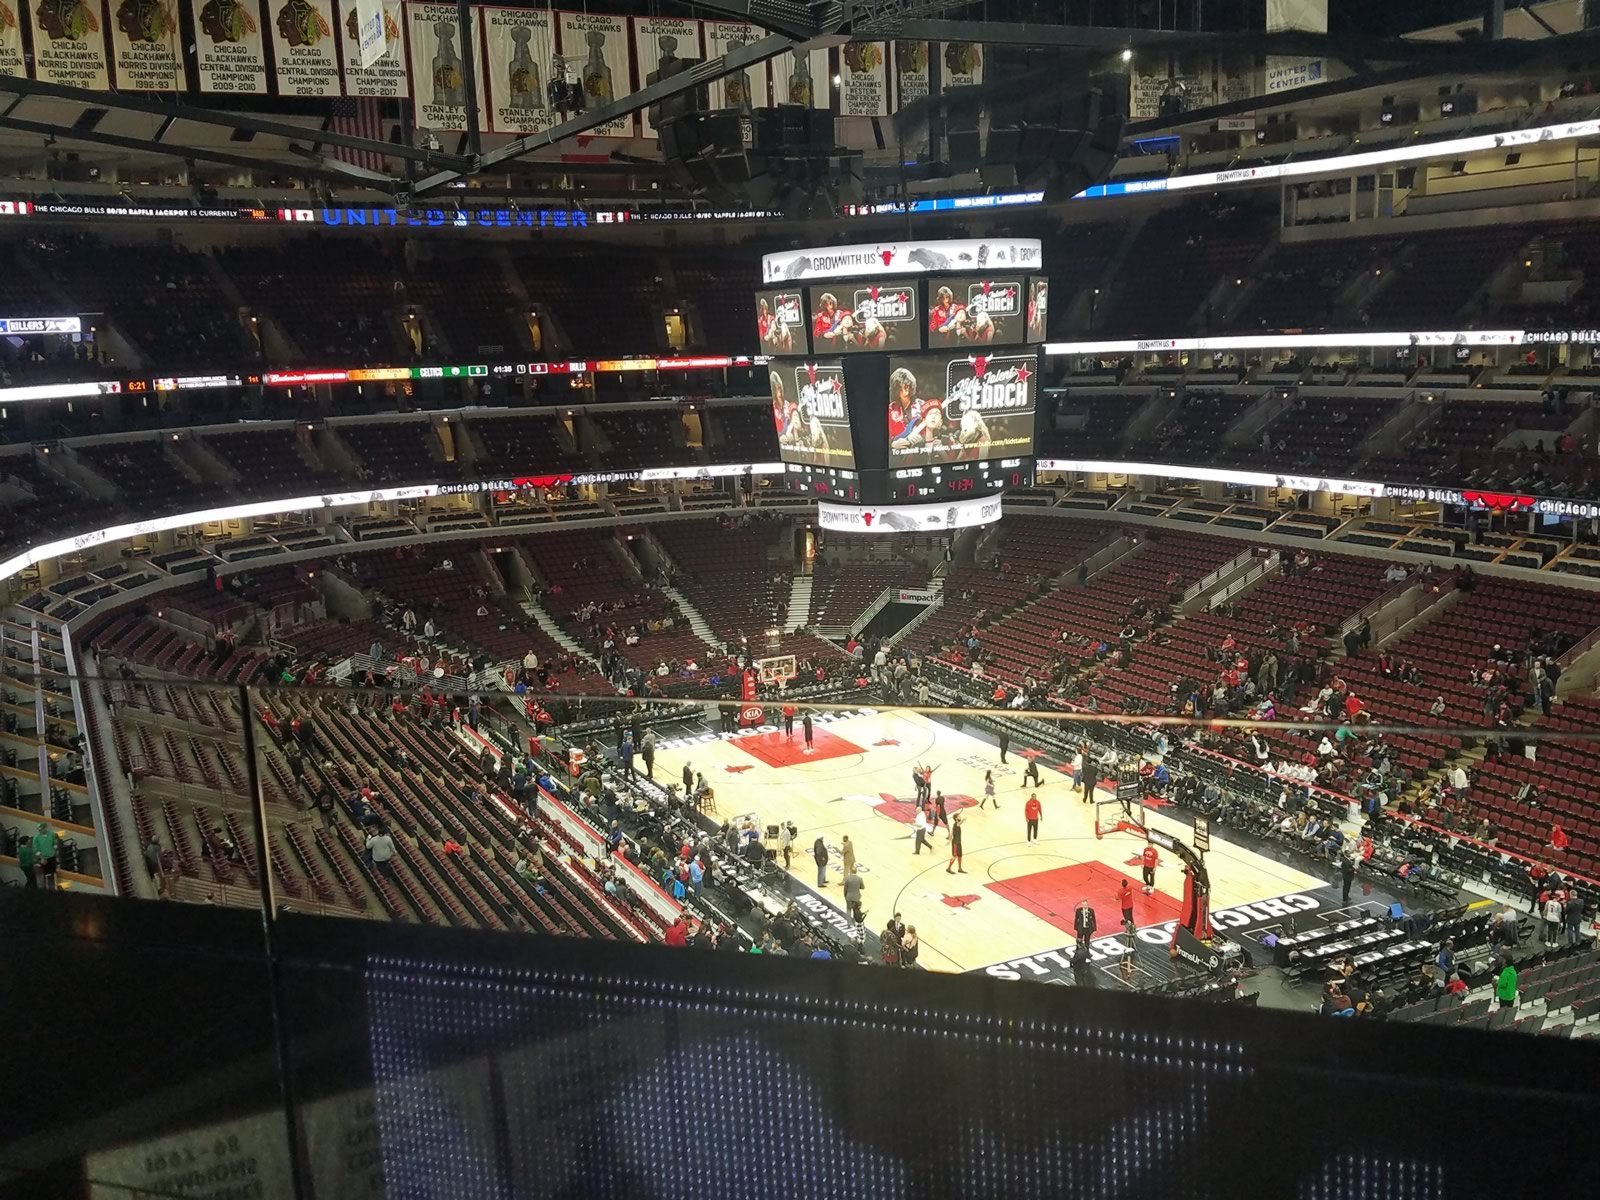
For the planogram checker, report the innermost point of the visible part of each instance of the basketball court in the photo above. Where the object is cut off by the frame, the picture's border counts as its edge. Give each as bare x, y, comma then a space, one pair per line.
1016, 897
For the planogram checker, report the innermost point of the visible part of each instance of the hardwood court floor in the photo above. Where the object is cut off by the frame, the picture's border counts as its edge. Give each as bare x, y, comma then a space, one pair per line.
1016, 898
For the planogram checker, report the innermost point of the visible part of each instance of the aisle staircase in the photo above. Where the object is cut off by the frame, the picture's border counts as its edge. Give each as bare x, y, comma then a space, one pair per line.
557, 634
697, 623
799, 614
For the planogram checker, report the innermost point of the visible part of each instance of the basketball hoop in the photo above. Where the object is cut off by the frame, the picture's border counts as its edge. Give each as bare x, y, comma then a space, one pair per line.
1110, 816
776, 671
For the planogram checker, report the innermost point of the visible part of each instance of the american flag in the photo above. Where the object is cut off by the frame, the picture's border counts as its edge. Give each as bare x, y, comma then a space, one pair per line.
358, 118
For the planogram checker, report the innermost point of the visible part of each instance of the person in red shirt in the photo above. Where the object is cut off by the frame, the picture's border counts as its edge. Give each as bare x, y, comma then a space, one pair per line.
1031, 812
1352, 705
677, 933
788, 721
1148, 861
1559, 838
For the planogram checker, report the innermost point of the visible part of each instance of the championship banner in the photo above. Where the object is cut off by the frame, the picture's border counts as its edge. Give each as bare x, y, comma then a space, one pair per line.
386, 78
600, 44
910, 72
802, 78
746, 89
305, 55
864, 79
519, 44
145, 49
781, 322
69, 45
983, 310
654, 39
811, 414
963, 64
946, 409
228, 46
438, 77
11, 59
847, 318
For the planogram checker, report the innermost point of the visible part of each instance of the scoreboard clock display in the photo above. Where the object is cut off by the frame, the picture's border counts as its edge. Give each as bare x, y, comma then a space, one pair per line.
915, 485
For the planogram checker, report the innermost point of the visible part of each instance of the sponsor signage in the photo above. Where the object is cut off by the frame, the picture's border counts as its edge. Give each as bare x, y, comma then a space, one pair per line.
901, 258
908, 518
918, 596
1055, 966
27, 326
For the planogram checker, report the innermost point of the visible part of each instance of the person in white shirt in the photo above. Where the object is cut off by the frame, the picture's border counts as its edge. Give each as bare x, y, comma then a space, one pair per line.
1394, 573
428, 630
530, 662
380, 849
1458, 780
919, 830
1436, 709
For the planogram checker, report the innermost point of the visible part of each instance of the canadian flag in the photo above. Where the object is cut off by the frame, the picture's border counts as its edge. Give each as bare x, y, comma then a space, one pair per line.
15, 208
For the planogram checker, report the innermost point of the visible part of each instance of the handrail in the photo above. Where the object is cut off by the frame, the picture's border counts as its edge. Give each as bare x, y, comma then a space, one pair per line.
1209, 581
1383, 600
1264, 567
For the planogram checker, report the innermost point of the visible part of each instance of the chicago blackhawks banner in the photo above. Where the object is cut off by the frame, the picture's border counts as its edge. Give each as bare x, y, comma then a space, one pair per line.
11, 60
69, 43
438, 78
519, 44
963, 63
654, 40
304, 53
910, 72
947, 408
744, 89
799, 77
228, 46
600, 44
145, 53
864, 79
385, 79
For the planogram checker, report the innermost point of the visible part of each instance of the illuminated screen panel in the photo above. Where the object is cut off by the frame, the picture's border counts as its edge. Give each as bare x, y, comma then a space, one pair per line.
978, 310
952, 408
812, 413
1038, 313
849, 318
781, 322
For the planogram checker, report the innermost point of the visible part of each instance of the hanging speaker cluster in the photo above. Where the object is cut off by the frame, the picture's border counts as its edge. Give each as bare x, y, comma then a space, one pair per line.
1059, 139
781, 158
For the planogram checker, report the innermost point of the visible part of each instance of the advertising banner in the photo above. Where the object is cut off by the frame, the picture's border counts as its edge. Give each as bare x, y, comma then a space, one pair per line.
811, 414
69, 45
145, 50
656, 39
519, 44
950, 409
910, 72
11, 59
802, 78
908, 518
984, 310
305, 54
781, 322
901, 258
438, 80
744, 90
864, 79
963, 63
600, 44
384, 78
228, 46
851, 317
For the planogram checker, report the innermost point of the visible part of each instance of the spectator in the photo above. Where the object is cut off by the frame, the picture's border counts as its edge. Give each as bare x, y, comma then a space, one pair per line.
677, 933
44, 850
1505, 985
380, 849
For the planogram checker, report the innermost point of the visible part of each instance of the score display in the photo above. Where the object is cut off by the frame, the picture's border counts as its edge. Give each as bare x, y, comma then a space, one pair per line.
947, 408
811, 413
850, 318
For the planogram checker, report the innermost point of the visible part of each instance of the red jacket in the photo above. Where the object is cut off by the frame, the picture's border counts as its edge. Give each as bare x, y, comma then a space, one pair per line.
677, 934
1032, 808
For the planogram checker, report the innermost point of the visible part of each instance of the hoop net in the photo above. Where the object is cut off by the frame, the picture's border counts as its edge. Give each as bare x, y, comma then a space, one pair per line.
1109, 817
775, 672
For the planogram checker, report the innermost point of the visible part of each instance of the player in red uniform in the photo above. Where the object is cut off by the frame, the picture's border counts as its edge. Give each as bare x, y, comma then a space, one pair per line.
1148, 861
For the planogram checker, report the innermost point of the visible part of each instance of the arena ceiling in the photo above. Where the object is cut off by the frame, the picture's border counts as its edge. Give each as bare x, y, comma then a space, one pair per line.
292, 138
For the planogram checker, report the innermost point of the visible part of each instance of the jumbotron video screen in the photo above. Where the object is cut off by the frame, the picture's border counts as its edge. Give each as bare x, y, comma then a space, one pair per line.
955, 408
811, 413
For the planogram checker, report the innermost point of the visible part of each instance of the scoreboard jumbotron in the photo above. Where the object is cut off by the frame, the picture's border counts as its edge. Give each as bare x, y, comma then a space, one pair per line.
905, 373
